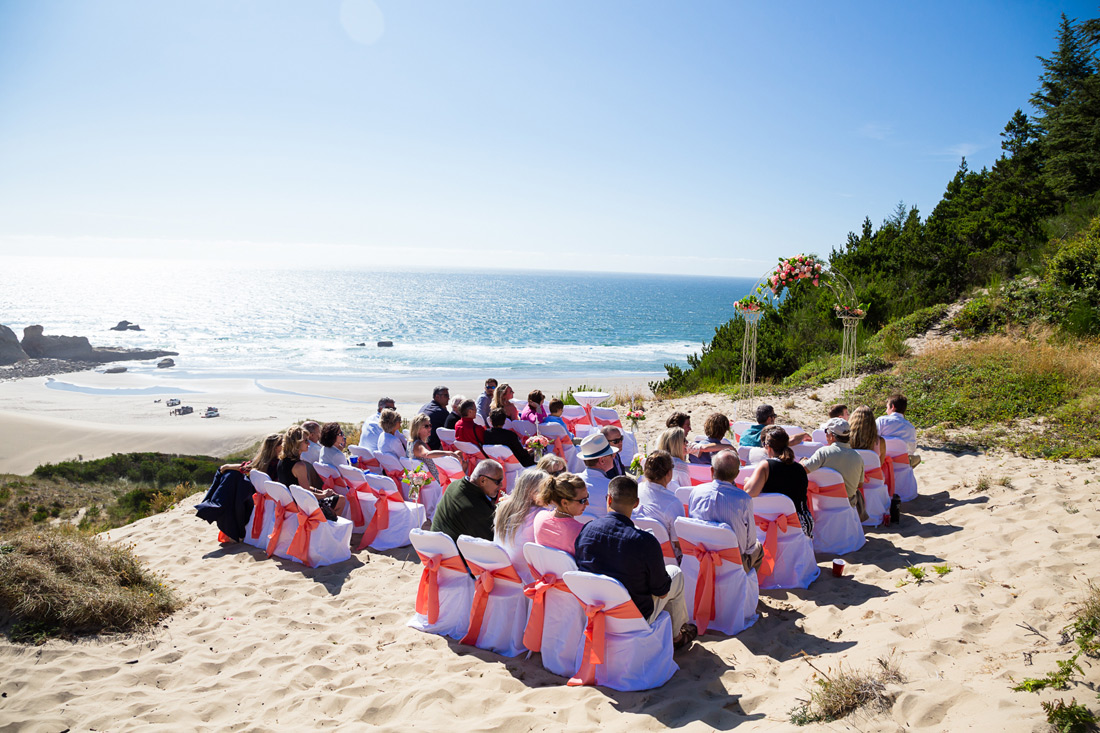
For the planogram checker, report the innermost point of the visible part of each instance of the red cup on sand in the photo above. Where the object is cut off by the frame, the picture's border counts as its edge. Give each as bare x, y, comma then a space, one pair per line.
838, 567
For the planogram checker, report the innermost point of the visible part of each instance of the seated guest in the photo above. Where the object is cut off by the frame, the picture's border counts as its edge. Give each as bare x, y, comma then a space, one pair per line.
466, 429
765, 416
567, 495
720, 501
894, 425
485, 400
716, 427
533, 411
436, 410
454, 415
838, 410
372, 430
333, 440
863, 434
391, 441
502, 399
552, 464
313, 432
599, 457
293, 470
500, 435
840, 457
514, 525
656, 500
266, 458
615, 439
467, 504
781, 474
556, 408
673, 442
680, 420
613, 546
418, 449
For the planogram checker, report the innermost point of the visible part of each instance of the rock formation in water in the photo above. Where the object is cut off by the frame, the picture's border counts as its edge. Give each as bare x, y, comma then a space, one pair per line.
77, 348
10, 350
126, 326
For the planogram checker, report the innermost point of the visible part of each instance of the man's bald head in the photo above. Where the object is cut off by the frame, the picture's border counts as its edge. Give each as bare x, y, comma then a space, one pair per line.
726, 465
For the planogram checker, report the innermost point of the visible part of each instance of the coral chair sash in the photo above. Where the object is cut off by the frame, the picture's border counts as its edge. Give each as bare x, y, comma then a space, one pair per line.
299, 546
483, 588
667, 550
355, 509
260, 502
444, 445
772, 528
572, 424
559, 447
595, 638
381, 518
604, 422
427, 594
532, 635
705, 585
835, 490
888, 470
331, 482
445, 478
280, 517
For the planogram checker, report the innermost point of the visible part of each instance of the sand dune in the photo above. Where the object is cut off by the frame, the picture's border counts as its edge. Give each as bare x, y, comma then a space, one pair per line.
270, 645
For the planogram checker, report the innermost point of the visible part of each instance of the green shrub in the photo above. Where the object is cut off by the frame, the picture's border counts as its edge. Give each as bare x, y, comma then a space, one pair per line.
1076, 265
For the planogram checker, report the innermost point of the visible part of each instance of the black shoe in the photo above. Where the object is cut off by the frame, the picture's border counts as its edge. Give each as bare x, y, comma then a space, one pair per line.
688, 634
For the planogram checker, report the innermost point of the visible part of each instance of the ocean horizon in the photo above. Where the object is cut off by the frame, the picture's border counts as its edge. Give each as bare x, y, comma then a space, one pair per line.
314, 323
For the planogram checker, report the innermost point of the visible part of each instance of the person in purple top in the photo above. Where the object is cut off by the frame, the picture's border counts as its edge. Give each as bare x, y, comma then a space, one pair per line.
534, 411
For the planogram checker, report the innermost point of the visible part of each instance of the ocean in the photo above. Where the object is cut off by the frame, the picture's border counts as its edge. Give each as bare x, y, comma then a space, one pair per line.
283, 323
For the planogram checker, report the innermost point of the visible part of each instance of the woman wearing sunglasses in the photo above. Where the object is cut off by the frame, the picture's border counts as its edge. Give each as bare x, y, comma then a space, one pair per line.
567, 496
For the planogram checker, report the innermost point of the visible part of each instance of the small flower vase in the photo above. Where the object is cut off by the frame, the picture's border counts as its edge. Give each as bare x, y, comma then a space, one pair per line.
536, 451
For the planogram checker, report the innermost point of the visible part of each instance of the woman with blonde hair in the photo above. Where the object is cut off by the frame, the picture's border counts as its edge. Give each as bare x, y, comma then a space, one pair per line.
293, 470
502, 398
552, 464
863, 433
266, 458
419, 430
514, 522
567, 496
674, 441
391, 440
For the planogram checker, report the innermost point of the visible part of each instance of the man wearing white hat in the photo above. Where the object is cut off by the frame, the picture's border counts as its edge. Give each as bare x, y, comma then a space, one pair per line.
843, 459
599, 457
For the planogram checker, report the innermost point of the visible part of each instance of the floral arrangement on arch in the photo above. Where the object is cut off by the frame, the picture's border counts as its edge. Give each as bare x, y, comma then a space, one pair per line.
537, 445
850, 311
792, 269
416, 480
749, 304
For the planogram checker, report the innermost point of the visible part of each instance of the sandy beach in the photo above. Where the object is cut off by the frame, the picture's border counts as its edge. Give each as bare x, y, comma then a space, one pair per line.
270, 645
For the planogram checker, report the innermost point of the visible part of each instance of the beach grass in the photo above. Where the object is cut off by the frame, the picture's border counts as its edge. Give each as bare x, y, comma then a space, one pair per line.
848, 690
58, 580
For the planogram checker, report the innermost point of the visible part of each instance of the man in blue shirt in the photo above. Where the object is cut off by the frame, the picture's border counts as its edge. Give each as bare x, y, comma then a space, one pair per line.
486, 398
613, 546
720, 501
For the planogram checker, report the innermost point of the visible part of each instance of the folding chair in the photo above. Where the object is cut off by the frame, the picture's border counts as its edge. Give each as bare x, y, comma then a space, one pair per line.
876, 495
446, 589
836, 522
361, 498
905, 481
284, 520
739, 429
450, 469
367, 461
804, 450
562, 445
522, 428
788, 553
683, 493
621, 650
262, 520
471, 455
503, 455
657, 529
720, 595
555, 627
700, 473
498, 615
446, 438
317, 541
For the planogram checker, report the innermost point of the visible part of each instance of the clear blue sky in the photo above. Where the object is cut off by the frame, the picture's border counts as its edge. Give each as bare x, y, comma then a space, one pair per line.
641, 135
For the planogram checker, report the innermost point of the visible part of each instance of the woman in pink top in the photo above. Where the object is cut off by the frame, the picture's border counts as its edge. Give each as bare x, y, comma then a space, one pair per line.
567, 496
534, 411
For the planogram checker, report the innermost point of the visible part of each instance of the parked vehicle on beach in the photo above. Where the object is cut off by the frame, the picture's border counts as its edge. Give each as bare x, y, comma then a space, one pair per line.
185, 410
211, 412
172, 402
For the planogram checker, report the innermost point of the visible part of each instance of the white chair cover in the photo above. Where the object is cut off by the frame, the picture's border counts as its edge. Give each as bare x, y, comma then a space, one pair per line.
740, 427
905, 481
563, 616
455, 587
795, 566
605, 415
700, 473
818, 436
552, 430
680, 474
518, 403
281, 494
638, 655
836, 523
505, 615
743, 453
471, 453
329, 542
446, 437
259, 479
657, 529
430, 494
404, 516
683, 493
875, 493
806, 449
523, 428
629, 449
503, 455
449, 466
735, 592
792, 430
367, 502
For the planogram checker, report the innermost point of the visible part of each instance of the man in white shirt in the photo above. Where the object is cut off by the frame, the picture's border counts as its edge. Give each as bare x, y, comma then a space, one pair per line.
599, 457
894, 425
368, 438
313, 432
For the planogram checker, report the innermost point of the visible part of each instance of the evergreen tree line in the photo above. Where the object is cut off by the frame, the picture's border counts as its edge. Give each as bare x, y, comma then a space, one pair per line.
1030, 210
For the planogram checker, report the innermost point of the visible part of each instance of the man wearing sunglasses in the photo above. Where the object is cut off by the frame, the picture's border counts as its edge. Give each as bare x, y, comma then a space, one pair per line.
467, 505
615, 440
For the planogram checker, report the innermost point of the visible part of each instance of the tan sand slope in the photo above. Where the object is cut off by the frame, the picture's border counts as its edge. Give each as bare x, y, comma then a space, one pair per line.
269, 645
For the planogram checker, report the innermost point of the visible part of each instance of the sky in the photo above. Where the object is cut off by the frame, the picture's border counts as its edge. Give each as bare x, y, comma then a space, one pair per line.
703, 137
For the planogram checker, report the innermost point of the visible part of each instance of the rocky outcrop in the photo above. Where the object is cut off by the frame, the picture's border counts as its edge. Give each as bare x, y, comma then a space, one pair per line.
126, 326
37, 345
165, 363
10, 350
114, 370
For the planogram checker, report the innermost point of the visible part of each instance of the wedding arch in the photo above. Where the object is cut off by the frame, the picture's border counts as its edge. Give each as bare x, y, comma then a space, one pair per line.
800, 271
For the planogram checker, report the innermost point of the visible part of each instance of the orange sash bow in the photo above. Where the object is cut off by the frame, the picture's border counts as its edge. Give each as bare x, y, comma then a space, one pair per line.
559, 447
772, 528
705, 584
299, 546
427, 594
532, 635
835, 490
260, 502
891, 461
571, 424
444, 445
331, 482
595, 638
483, 588
604, 422
355, 509
277, 529
667, 550
381, 518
